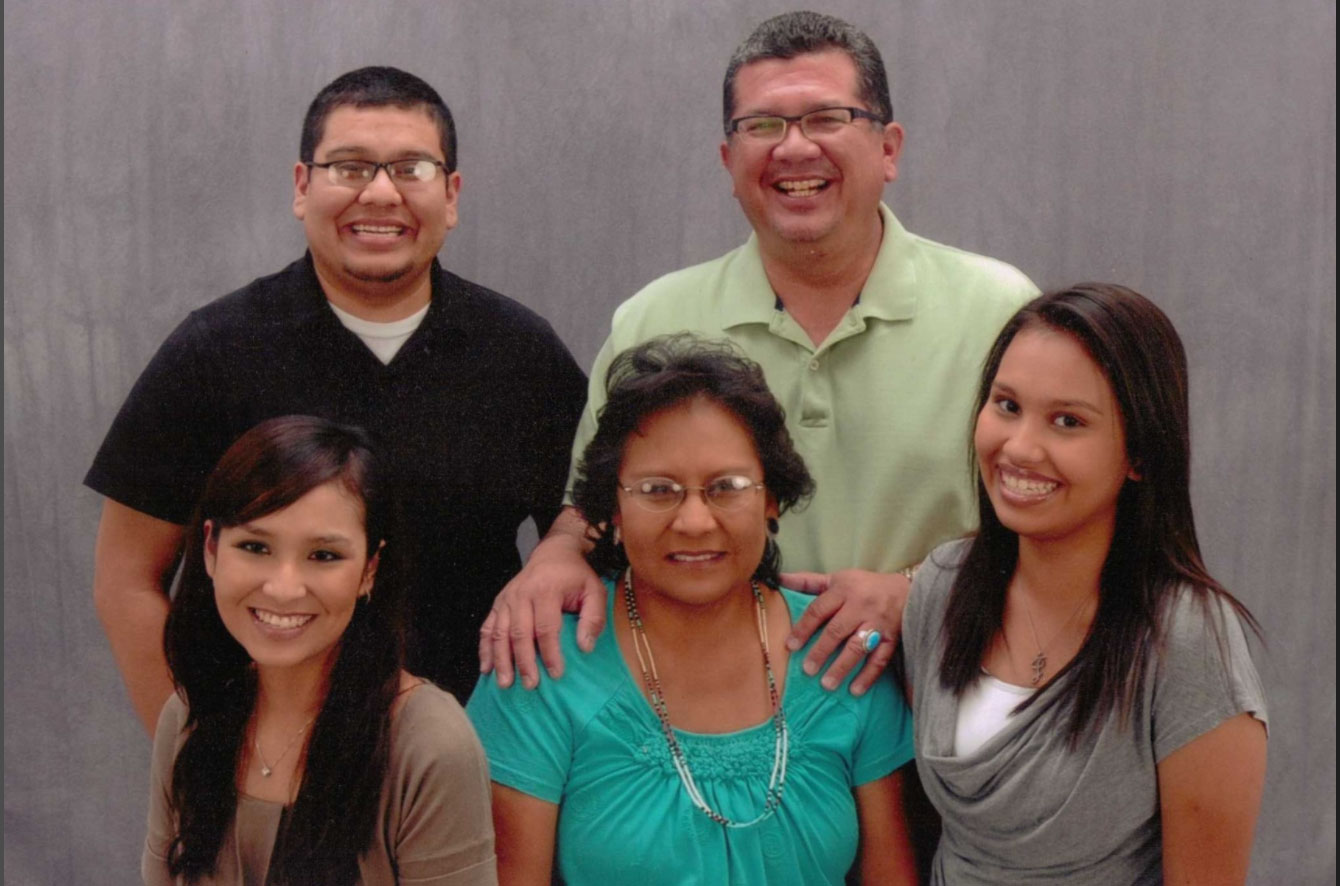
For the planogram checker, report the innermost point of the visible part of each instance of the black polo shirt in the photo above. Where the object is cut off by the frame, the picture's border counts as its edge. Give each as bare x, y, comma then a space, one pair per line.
475, 413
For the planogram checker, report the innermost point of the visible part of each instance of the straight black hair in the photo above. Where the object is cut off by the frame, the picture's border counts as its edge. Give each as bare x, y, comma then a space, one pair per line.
376, 87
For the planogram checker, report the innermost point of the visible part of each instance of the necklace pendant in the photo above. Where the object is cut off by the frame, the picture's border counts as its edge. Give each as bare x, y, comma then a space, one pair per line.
265, 771
1039, 666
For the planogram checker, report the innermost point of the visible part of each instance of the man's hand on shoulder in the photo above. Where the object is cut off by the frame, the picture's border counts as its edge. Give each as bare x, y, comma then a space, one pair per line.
528, 611
849, 601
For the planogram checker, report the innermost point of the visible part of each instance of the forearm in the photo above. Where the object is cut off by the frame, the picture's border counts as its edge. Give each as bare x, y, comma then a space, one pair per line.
567, 535
133, 621
134, 560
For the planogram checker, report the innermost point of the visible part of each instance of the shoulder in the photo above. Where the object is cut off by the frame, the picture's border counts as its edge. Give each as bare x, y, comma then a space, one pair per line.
983, 278
686, 292
1204, 672
275, 298
481, 308
169, 735
431, 730
929, 595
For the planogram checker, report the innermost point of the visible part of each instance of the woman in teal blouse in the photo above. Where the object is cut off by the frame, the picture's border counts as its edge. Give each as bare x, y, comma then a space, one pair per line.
689, 746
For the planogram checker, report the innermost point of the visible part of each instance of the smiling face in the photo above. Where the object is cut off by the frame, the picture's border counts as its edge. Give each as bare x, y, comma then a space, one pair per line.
379, 240
824, 192
286, 584
694, 554
1050, 442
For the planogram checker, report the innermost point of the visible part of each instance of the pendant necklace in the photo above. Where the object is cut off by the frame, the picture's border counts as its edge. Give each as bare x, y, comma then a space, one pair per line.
652, 679
1039, 663
266, 768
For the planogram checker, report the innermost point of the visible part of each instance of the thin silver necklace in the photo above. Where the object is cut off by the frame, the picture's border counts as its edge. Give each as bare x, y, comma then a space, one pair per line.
652, 679
266, 769
1039, 663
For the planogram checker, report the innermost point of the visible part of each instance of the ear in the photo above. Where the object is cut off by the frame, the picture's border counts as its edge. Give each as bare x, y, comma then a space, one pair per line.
301, 181
453, 187
725, 161
892, 139
770, 509
370, 571
211, 547
1133, 473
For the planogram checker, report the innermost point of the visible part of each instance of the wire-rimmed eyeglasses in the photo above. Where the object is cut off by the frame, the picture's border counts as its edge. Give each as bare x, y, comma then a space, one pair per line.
816, 124
360, 173
727, 493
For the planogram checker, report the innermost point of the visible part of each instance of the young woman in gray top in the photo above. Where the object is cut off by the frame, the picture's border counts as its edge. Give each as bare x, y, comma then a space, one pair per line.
297, 750
1086, 708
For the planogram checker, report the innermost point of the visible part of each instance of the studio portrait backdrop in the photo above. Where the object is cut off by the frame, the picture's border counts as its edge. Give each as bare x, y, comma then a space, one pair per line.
1183, 149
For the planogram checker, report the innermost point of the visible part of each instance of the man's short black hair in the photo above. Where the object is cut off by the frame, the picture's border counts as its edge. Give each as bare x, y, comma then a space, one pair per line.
375, 87
798, 33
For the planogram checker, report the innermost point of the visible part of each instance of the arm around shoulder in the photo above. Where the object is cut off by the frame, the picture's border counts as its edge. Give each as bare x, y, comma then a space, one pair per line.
528, 611
133, 563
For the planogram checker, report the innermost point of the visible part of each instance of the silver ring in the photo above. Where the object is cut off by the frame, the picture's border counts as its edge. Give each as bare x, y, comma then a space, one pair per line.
869, 638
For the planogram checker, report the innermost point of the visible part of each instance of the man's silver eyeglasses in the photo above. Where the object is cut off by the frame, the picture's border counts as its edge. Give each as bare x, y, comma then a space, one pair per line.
817, 124
360, 173
660, 494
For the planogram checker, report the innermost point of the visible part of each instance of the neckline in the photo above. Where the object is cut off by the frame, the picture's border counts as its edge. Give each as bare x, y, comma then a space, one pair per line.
629, 682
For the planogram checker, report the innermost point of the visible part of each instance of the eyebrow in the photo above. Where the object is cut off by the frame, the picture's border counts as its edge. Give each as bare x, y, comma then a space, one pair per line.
1053, 404
251, 529
358, 152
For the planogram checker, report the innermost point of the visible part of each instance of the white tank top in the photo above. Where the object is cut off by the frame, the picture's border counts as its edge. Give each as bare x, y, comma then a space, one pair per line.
983, 710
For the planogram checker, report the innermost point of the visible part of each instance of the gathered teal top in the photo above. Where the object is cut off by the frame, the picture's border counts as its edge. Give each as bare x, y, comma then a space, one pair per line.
591, 743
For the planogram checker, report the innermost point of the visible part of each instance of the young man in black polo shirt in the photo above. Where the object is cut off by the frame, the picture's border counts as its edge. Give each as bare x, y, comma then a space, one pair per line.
474, 397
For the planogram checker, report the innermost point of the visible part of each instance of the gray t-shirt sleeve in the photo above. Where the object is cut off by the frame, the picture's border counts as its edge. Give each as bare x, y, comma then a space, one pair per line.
1205, 673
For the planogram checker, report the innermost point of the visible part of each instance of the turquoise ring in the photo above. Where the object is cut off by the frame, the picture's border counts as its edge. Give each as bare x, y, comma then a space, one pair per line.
869, 639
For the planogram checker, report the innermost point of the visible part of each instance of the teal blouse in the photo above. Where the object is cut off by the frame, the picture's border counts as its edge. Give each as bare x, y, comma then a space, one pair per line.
591, 743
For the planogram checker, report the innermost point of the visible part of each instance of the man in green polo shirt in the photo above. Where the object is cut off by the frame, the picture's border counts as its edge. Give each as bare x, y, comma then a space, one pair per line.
871, 337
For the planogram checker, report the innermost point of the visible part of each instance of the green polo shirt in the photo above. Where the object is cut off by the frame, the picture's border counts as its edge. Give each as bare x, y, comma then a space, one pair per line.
881, 411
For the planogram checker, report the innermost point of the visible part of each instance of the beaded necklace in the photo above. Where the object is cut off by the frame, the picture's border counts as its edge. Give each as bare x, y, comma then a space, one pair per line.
777, 780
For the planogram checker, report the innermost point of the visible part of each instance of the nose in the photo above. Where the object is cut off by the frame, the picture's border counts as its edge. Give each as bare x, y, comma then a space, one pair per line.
285, 583
694, 515
795, 145
381, 190
1023, 445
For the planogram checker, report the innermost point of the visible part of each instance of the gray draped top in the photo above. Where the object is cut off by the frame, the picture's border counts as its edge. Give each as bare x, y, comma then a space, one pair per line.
1024, 808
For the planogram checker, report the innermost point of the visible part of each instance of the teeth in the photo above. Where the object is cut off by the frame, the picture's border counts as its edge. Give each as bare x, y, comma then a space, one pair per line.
692, 558
1025, 486
806, 188
274, 619
378, 229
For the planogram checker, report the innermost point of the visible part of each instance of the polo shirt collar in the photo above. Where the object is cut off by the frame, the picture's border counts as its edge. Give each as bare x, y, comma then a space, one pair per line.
889, 292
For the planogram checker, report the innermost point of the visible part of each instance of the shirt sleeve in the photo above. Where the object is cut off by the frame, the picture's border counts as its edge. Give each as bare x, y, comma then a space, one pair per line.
885, 741
595, 401
527, 736
155, 456
1205, 673
445, 831
161, 827
560, 391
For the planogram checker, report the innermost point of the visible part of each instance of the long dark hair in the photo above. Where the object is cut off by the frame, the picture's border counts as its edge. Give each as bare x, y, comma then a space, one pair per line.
333, 818
1154, 552
664, 372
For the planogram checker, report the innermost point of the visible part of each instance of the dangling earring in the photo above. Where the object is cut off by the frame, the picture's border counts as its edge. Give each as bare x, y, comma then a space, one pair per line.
773, 526
618, 537
367, 595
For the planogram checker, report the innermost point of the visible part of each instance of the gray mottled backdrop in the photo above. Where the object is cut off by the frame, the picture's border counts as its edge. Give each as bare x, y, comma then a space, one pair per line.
1186, 149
